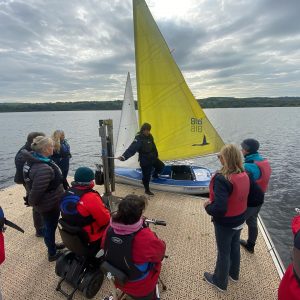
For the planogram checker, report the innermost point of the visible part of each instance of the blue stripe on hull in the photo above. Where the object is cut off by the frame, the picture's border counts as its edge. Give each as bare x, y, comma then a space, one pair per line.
134, 177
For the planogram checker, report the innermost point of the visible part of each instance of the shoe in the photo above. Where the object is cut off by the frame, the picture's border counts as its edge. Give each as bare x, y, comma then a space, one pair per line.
149, 193
55, 256
60, 246
248, 248
209, 279
232, 279
39, 233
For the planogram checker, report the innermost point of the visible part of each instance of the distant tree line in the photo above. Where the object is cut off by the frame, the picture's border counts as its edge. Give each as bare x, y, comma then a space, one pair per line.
226, 102
212, 102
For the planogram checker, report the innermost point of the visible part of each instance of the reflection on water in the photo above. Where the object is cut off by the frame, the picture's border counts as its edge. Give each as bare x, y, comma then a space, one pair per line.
275, 128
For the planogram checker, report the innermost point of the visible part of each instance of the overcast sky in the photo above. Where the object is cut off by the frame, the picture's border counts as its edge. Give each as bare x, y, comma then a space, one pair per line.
71, 50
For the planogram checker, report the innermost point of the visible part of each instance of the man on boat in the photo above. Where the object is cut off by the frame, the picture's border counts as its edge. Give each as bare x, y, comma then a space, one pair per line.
258, 170
148, 156
20, 160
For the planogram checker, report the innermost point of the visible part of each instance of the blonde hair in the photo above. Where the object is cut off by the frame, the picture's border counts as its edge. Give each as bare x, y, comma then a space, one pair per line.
39, 143
56, 137
232, 160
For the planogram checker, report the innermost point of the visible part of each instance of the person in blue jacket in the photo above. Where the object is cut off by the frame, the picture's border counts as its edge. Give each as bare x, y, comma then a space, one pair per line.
148, 156
259, 171
61, 154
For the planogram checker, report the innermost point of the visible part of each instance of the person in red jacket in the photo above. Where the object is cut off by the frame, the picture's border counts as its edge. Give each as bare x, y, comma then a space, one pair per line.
289, 288
82, 206
133, 248
2, 249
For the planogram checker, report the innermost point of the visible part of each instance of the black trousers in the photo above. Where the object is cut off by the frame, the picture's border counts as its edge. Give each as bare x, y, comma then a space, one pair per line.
158, 166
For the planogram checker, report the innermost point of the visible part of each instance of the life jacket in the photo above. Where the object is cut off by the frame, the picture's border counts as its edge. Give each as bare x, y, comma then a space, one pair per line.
54, 183
237, 202
118, 252
265, 170
147, 144
69, 204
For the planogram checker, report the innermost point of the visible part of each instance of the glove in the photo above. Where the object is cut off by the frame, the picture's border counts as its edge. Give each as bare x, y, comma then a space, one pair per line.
121, 158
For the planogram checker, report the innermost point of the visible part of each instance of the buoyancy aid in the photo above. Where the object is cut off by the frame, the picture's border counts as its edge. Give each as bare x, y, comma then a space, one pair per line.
265, 170
118, 252
54, 183
147, 144
69, 207
237, 202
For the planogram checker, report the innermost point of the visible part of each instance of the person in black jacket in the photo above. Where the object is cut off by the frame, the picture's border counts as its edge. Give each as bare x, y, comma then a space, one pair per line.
19, 162
43, 180
148, 155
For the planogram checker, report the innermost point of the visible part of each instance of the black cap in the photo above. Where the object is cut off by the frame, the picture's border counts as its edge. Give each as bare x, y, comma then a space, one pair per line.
250, 145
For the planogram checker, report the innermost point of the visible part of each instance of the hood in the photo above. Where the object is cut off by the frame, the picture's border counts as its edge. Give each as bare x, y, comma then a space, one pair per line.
123, 229
33, 157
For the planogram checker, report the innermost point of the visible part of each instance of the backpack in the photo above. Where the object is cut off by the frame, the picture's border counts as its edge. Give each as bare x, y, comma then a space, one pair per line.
68, 207
19, 163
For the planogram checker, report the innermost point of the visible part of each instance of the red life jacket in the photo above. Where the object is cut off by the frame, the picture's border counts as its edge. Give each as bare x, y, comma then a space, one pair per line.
265, 170
237, 202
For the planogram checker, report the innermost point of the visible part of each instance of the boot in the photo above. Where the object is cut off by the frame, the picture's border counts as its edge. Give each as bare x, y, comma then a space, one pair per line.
247, 247
148, 192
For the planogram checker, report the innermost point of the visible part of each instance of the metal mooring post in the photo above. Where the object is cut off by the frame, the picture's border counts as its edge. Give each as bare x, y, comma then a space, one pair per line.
106, 134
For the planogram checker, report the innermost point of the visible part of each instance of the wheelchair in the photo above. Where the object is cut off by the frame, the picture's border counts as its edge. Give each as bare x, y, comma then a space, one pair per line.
115, 275
79, 266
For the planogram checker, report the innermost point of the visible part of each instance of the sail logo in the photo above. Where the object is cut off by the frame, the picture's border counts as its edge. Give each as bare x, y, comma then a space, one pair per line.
196, 125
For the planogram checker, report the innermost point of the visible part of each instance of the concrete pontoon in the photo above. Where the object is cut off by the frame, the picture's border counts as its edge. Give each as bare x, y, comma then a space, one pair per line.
27, 274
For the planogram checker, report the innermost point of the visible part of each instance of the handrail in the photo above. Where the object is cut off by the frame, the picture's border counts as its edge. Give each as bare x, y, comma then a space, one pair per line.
271, 248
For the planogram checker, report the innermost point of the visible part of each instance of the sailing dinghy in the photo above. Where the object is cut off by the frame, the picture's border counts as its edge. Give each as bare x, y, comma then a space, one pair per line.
180, 127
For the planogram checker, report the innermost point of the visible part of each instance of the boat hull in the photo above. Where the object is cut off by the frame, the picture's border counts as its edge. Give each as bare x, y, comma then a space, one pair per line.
198, 185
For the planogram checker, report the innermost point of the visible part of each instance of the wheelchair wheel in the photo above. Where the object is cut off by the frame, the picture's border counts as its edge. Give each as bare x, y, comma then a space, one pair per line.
92, 282
63, 263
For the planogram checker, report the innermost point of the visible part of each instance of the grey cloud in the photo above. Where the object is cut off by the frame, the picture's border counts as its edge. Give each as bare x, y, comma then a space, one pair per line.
55, 50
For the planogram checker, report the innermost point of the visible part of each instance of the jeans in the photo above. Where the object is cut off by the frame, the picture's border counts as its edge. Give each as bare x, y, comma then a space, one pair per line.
37, 221
228, 260
251, 221
50, 219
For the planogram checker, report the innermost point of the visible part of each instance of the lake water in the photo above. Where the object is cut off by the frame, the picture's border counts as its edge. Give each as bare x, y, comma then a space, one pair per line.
277, 129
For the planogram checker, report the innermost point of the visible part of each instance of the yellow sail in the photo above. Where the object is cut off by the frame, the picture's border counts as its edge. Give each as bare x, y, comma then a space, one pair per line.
179, 125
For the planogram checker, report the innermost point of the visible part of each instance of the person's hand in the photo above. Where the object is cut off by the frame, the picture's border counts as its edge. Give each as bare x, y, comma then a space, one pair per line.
207, 202
121, 158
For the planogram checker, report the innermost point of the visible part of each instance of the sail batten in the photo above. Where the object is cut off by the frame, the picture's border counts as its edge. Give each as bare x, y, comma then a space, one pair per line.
179, 125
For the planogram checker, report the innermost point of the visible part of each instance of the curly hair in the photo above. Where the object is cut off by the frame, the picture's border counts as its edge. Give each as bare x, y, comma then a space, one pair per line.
130, 209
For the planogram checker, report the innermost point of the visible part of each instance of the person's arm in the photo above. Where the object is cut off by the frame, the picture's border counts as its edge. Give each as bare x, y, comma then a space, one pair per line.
97, 209
2, 249
41, 178
253, 169
296, 256
155, 149
222, 190
132, 149
153, 248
